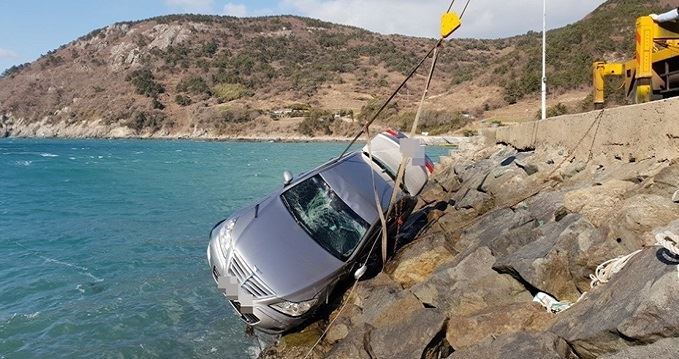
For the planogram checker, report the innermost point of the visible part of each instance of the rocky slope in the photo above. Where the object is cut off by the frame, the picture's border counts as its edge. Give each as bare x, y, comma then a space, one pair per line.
211, 76
501, 226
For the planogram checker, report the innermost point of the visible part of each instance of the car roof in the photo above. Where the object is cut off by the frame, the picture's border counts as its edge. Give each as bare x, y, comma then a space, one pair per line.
351, 179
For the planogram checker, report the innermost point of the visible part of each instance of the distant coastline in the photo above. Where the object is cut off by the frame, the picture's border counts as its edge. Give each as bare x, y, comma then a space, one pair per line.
95, 130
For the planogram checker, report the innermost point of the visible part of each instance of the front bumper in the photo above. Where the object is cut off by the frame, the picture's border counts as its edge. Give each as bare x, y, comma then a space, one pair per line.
263, 317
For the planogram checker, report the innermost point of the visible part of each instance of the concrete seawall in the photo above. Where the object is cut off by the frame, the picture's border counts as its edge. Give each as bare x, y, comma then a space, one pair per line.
633, 132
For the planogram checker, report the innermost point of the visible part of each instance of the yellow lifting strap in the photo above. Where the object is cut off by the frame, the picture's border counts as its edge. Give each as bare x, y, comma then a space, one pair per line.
450, 22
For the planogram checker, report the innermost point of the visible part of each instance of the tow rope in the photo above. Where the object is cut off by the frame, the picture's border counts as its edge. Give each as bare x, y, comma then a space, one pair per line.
449, 23
605, 271
405, 159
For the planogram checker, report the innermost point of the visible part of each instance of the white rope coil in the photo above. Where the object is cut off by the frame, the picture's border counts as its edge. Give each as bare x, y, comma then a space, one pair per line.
605, 270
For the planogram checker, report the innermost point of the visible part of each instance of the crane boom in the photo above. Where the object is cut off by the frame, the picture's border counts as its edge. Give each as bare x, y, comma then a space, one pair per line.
654, 71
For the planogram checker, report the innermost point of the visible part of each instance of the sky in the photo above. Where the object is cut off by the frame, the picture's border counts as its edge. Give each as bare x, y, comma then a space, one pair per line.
30, 28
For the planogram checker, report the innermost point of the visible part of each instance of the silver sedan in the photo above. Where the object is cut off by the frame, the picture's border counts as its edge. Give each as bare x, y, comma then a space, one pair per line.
279, 259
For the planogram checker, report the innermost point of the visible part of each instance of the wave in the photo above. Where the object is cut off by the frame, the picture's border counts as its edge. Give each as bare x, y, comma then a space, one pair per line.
15, 315
23, 163
82, 270
45, 154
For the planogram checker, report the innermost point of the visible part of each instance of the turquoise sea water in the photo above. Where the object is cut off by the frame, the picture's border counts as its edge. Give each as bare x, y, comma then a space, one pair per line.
102, 243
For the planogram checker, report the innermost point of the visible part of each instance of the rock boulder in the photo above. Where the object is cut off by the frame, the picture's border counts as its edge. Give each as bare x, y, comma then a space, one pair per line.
637, 306
518, 346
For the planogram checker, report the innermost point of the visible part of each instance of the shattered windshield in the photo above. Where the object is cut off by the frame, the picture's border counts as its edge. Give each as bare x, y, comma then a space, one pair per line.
327, 219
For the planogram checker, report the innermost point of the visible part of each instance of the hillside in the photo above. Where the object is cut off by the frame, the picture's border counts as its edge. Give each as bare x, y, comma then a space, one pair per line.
208, 76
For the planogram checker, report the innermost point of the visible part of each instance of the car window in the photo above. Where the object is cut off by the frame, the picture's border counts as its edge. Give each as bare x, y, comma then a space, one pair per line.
325, 217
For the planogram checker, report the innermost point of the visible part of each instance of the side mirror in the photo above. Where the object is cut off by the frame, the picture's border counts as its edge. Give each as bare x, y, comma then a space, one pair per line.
287, 178
360, 272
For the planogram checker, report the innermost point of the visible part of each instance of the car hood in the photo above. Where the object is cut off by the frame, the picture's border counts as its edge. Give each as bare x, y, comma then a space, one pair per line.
288, 260
352, 181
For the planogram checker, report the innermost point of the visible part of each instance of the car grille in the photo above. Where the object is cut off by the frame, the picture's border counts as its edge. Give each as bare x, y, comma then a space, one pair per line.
246, 317
215, 273
250, 280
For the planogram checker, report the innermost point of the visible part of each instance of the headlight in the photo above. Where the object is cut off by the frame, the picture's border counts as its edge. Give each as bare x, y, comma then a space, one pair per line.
224, 237
294, 309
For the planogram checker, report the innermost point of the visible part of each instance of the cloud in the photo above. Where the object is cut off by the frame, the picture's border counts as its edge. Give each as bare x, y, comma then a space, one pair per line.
192, 6
6, 54
232, 9
483, 18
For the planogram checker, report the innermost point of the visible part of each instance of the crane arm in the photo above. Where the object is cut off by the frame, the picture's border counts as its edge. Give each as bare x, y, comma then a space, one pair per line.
600, 71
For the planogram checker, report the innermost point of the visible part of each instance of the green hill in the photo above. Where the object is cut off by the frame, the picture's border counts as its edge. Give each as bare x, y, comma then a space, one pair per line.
209, 75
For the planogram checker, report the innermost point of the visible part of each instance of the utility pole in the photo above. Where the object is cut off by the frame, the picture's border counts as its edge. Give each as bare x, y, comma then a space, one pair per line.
544, 59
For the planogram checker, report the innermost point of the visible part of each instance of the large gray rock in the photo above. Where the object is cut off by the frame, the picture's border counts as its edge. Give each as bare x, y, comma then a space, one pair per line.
418, 260
666, 182
597, 202
528, 167
545, 206
352, 343
663, 348
472, 175
518, 346
446, 178
638, 215
468, 285
466, 331
394, 324
408, 337
350, 347
637, 306
433, 192
505, 183
473, 199
549, 263
379, 298
501, 230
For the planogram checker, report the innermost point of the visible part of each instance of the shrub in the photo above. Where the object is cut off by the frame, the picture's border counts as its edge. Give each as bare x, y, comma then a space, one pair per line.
182, 100
368, 110
299, 107
239, 115
13, 70
556, 110
223, 119
434, 122
469, 133
156, 104
209, 48
149, 121
228, 92
145, 83
316, 121
497, 123
194, 85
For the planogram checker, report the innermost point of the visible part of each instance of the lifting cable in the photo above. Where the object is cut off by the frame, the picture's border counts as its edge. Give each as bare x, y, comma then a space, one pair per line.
404, 160
403, 83
366, 129
386, 103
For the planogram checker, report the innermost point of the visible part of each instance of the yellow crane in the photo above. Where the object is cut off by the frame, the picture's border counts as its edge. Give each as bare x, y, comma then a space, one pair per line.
654, 72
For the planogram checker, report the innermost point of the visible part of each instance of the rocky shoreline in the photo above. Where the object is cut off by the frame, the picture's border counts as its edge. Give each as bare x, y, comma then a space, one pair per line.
501, 226
96, 129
